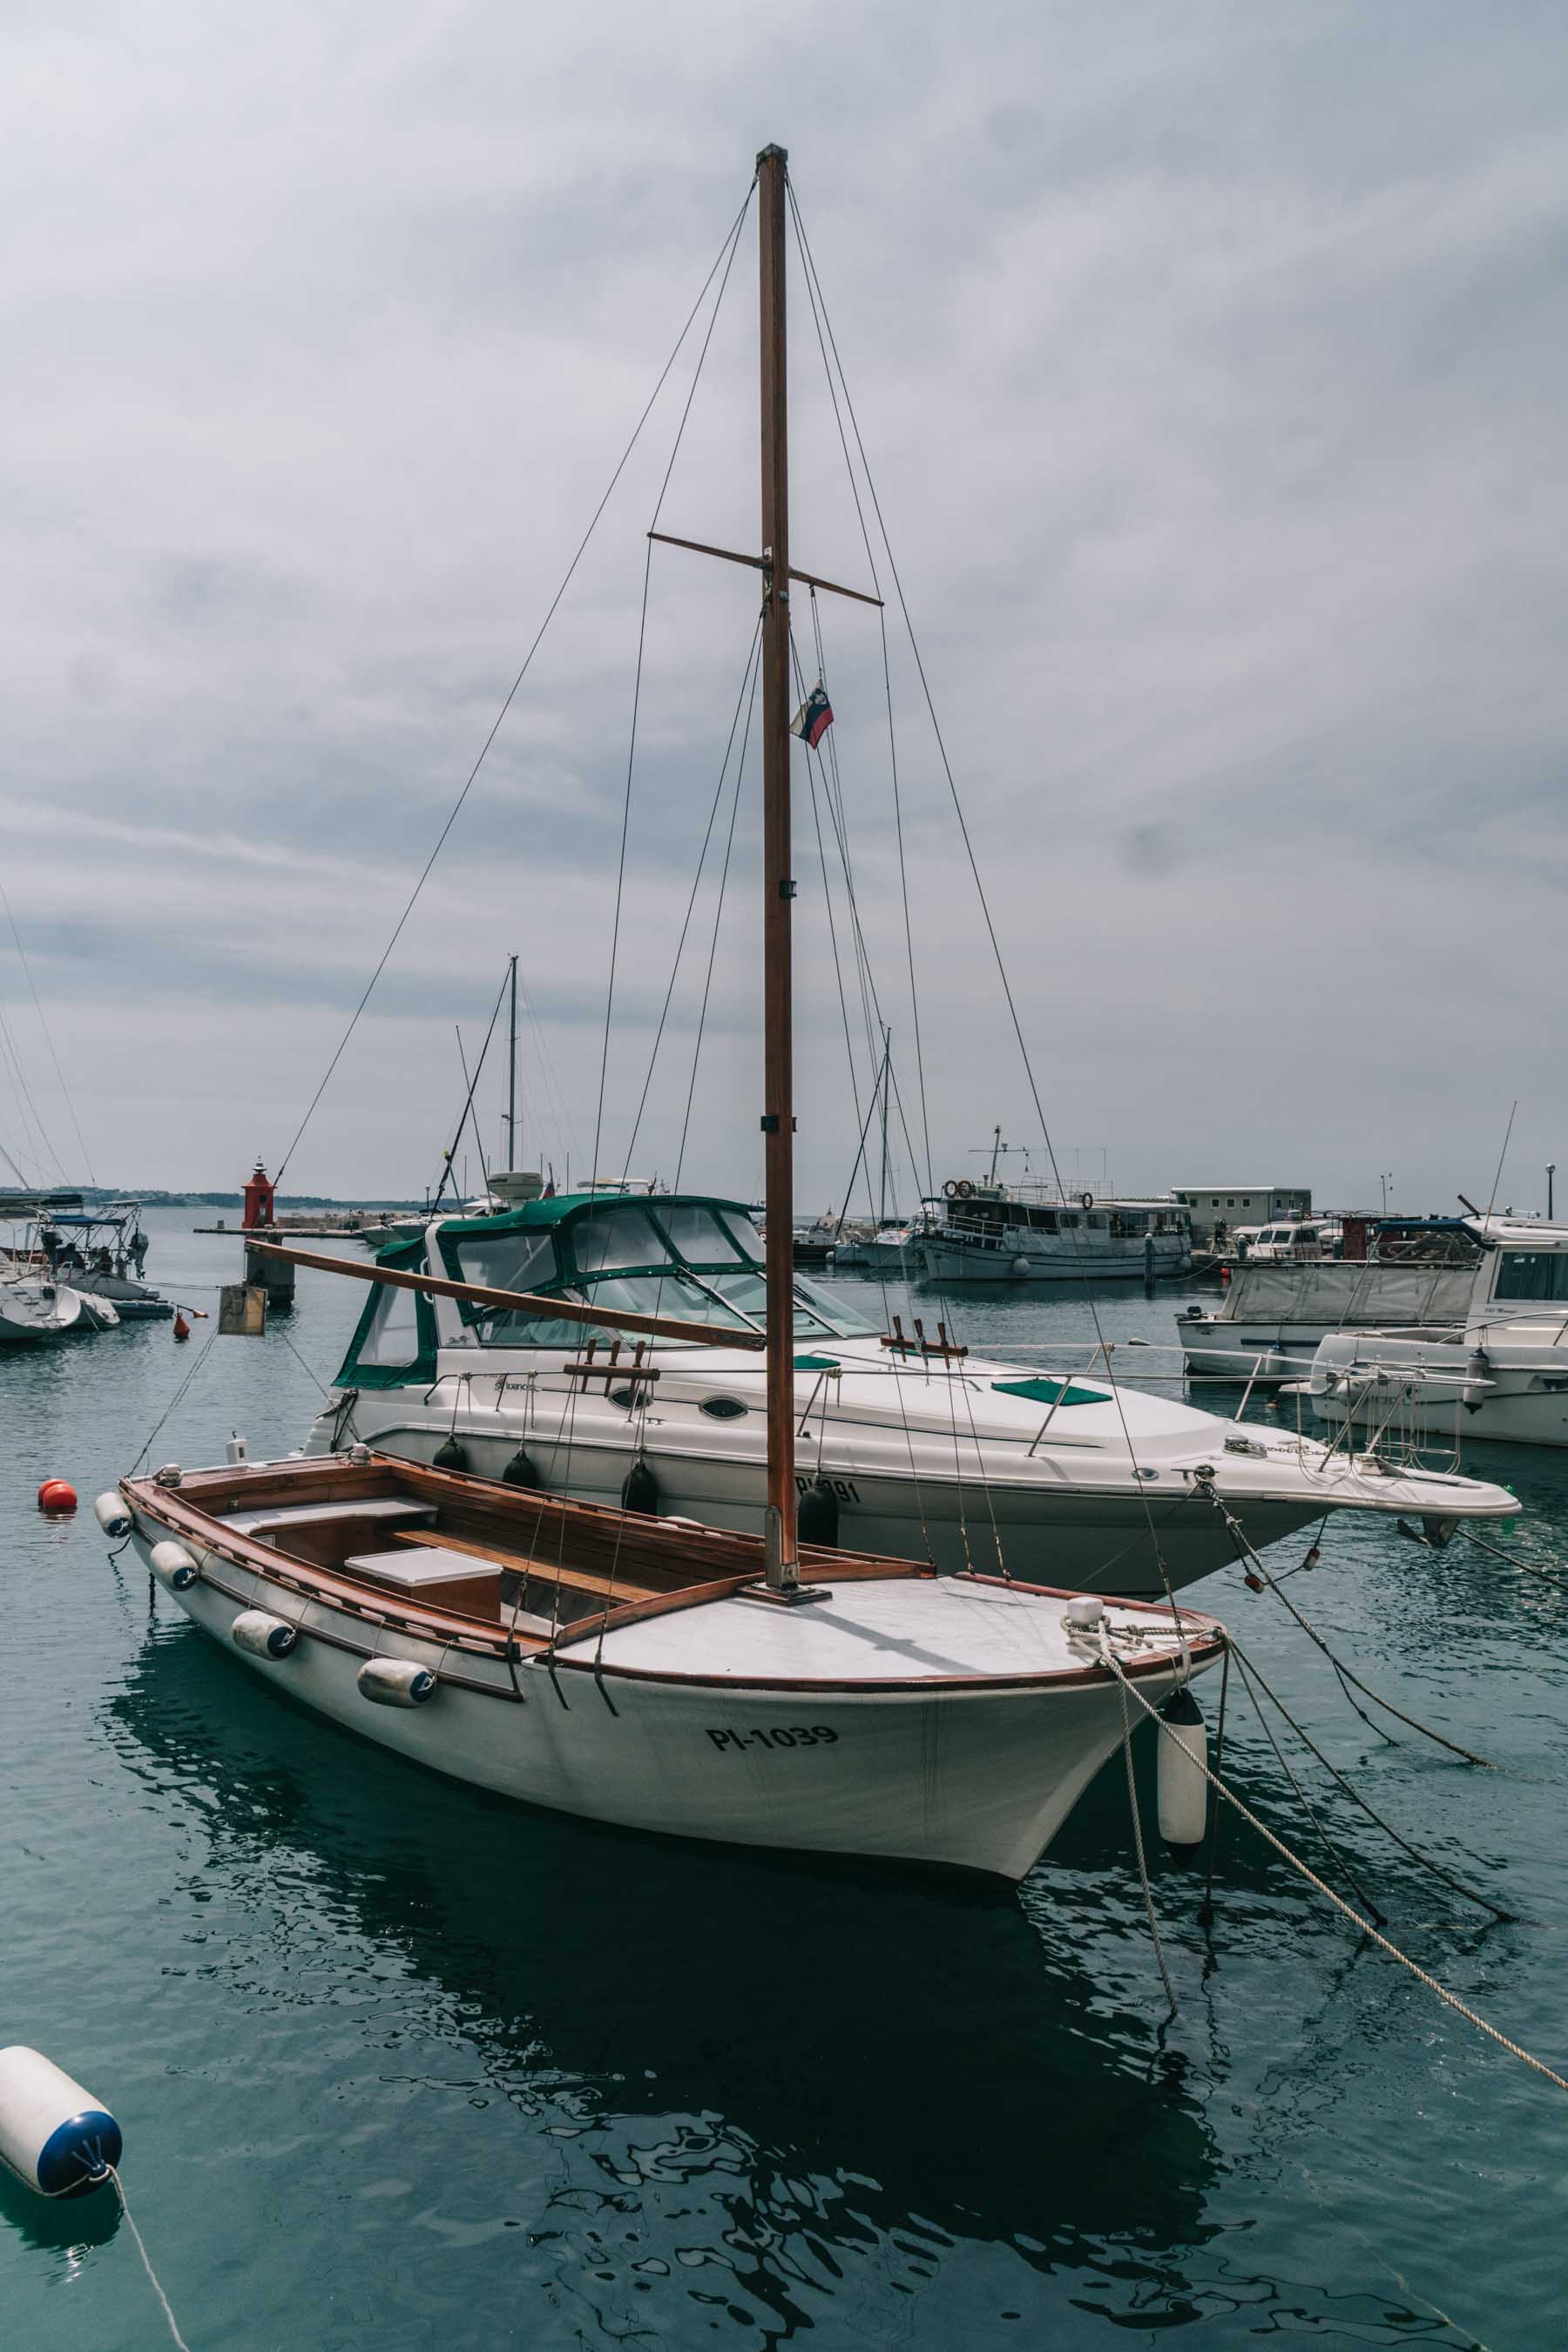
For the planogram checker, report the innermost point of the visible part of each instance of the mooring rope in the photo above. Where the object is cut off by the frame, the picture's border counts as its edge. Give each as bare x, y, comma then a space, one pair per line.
1245, 1550
1305, 1801
1137, 1829
1385, 1943
146, 2258
1247, 1667
1508, 1560
174, 1400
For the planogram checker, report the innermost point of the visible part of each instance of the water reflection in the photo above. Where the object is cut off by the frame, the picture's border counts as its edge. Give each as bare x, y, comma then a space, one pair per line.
809, 2062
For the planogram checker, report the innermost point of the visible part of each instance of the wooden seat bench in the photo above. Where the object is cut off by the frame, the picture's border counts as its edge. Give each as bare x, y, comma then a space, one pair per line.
536, 1570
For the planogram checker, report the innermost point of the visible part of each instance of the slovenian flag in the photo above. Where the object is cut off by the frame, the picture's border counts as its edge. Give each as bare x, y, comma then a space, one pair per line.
813, 717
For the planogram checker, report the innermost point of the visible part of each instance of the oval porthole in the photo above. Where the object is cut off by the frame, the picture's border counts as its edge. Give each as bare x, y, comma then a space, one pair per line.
725, 1408
627, 1397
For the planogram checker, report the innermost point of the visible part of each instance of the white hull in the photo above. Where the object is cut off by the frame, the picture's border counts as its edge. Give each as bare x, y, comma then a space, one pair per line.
34, 1314
896, 1261
1070, 1514
1428, 1389
977, 1779
1040, 1258
132, 1300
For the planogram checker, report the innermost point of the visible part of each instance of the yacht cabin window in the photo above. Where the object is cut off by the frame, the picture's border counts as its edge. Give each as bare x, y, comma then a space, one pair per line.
1532, 1274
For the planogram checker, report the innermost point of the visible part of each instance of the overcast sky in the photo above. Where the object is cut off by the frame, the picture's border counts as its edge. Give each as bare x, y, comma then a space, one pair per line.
1210, 365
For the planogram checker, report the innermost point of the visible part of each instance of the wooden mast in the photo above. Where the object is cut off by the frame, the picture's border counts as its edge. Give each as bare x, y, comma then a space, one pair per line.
778, 886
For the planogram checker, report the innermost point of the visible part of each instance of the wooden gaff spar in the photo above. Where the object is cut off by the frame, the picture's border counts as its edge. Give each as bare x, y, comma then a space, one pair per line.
515, 1302
649, 1672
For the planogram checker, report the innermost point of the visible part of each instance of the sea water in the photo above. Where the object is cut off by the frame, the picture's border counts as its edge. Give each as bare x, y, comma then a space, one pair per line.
400, 2066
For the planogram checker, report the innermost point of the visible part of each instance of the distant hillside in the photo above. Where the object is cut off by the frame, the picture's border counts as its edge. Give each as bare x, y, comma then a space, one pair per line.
151, 1198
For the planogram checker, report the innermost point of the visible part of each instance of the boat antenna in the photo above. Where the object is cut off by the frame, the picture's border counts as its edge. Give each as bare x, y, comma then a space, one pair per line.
1503, 1155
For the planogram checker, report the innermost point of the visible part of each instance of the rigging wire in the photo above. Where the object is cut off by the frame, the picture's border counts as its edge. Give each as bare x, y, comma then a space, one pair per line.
718, 918
808, 260
448, 1165
636, 689
49, 1039
696, 885
38, 1143
812, 298
512, 690
1384, 1943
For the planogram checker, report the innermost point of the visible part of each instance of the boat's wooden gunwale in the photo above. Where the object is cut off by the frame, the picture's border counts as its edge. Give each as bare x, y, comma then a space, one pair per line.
171, 1507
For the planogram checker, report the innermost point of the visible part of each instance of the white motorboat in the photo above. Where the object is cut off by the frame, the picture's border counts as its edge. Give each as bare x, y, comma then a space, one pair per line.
1276, 1313
1498, 1370
1032, 1233
894, 1249
35, 1311
104, 1251
905, 1447
98, 1314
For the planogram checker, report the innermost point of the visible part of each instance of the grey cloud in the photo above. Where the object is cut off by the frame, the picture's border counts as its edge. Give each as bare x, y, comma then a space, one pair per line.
1209, 361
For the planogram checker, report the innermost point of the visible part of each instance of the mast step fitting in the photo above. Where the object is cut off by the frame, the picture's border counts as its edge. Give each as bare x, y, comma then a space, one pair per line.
790, 1596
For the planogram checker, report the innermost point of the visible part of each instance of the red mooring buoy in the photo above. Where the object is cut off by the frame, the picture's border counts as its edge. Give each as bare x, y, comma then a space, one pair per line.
57, 1495
182, 1329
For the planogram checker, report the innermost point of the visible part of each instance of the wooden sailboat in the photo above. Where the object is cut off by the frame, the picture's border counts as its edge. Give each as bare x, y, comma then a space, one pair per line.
655, 1672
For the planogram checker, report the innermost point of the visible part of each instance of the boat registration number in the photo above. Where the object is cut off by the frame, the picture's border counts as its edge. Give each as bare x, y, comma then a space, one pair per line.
845, 1489
787, 1736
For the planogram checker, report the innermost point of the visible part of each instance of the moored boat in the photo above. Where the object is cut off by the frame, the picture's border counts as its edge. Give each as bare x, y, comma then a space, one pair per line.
636, 1671
907, 1445
34, 1312
1497, 1369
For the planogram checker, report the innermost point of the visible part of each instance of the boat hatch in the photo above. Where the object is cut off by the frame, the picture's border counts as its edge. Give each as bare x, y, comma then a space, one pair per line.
1048, 1391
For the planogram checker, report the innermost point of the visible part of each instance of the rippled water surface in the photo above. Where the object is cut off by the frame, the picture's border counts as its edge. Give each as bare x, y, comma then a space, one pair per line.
399, 2066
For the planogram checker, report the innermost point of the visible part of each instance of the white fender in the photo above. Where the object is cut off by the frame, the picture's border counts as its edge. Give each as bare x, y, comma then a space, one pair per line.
395, 1682
172, 1565
54, 2136
1183, 1752
113, 1516
262, 1634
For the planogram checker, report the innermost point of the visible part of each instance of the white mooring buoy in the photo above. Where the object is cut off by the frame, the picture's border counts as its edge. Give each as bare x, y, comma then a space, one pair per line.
54, 2136
1184, 1791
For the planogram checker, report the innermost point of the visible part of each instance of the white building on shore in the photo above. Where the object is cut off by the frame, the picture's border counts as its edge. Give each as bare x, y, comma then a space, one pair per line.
1218, 1208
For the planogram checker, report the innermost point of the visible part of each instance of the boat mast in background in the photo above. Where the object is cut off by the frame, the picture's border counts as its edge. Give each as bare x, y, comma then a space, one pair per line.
511, 1076
778, 886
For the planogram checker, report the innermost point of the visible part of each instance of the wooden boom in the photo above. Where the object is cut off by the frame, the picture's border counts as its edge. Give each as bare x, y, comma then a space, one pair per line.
521, 1302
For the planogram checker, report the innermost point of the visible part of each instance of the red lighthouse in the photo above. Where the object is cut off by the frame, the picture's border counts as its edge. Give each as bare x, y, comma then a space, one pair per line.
259, 1199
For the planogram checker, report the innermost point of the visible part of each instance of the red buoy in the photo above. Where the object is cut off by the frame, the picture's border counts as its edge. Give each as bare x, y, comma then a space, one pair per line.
182, 1327
56, 1495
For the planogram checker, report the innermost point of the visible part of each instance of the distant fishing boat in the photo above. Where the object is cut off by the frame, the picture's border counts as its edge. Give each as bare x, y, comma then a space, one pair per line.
991, 1231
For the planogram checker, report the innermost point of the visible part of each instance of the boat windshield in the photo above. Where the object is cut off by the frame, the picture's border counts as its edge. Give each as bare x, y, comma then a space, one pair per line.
692, 1260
